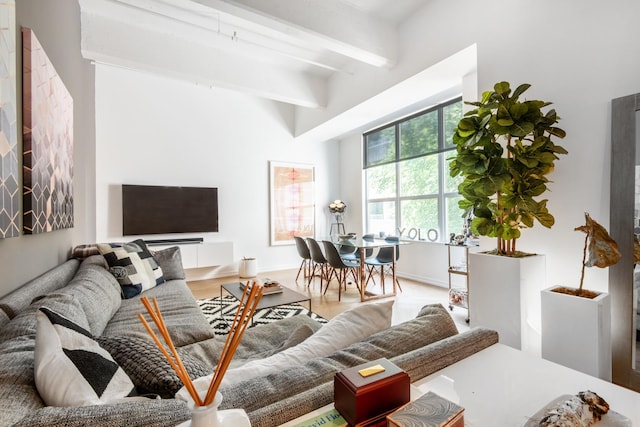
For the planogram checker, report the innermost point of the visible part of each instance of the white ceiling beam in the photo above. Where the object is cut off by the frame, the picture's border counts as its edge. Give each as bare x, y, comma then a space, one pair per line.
330, 24
121, 44
435, 84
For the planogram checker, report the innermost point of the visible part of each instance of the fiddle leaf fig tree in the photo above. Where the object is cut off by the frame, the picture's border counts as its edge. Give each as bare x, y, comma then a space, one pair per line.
504, 153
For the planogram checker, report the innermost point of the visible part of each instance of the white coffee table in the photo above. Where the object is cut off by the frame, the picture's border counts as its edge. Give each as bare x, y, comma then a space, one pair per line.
501, 386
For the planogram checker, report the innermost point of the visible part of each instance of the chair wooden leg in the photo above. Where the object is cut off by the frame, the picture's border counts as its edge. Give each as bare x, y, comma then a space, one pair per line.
312, 272
329, 273
303, 265
371, 269
355, 272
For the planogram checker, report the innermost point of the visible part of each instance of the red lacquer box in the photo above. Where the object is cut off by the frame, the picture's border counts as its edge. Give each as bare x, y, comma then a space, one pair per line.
362, 399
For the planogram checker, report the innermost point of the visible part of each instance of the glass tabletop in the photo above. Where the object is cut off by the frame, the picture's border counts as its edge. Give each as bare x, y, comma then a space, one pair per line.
359, 242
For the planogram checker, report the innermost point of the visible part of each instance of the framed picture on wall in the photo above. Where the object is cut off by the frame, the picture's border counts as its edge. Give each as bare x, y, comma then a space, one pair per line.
292, 202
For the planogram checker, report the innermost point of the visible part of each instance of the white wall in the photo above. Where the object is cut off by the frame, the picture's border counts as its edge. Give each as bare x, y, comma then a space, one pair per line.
579, 55
154, 130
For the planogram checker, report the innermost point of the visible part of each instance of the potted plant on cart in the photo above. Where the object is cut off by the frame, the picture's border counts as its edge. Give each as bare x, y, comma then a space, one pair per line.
505, 151
576, 322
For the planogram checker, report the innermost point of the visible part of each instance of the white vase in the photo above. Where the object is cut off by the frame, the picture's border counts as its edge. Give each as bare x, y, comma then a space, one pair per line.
576, 332
210, 416
248, 268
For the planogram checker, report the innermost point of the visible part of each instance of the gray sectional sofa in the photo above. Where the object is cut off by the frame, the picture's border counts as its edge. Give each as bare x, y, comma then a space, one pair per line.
86, 293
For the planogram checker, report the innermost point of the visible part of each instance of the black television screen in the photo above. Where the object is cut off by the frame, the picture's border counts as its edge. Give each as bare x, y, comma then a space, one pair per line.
153, 209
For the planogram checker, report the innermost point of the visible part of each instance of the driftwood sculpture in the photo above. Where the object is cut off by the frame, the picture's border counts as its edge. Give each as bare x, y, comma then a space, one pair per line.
600, 249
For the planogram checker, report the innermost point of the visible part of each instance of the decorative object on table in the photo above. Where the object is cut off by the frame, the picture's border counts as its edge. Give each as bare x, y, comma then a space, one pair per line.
504, 153
9, 181
47, 142
346, 237
370, 398
576, 323
269, 287
248, 268
292, 202
337, 208
583, 409
204, 409
429, 410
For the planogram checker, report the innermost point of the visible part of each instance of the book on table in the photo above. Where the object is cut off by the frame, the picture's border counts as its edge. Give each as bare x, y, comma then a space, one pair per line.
268, 287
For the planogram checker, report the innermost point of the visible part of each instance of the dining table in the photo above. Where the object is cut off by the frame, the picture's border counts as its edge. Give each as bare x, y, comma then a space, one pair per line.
361, 245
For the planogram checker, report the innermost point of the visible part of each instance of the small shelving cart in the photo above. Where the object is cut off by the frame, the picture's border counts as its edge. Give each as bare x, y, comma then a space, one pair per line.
458, 267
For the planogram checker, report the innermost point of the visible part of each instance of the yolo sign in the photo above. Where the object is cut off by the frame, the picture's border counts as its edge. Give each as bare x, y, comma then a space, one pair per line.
417, 234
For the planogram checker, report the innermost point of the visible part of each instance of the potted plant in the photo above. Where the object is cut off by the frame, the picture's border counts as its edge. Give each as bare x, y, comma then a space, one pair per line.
576, 322
504, 153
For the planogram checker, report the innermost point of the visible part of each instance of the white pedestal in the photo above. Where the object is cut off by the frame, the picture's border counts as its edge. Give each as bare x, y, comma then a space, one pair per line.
504, 295
576, 332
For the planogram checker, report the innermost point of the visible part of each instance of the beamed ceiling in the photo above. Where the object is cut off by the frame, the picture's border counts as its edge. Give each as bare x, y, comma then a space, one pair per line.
285, 50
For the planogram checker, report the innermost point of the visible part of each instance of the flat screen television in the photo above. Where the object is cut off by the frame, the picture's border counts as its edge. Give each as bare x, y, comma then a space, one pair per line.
154, 209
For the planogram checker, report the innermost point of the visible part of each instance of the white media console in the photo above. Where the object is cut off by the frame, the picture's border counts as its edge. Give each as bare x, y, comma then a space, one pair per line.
202, 254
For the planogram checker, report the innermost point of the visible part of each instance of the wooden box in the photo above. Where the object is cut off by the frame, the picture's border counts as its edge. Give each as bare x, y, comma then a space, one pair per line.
364, 398
429, 410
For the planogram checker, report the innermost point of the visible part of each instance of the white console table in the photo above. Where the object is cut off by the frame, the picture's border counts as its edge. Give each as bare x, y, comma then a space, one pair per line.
205, 254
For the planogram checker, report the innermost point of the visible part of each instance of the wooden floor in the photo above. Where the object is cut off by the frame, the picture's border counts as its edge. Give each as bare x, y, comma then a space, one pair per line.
414, 295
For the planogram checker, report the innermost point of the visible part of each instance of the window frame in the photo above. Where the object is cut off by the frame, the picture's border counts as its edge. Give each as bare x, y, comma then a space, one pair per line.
441, 151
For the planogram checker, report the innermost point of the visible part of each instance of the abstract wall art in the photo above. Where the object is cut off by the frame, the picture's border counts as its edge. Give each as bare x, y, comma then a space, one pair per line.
9, 185
47, 142
292, 204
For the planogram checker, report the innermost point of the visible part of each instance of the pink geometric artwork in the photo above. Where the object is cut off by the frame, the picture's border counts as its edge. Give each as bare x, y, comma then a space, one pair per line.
47, 142
292, 202
9, 184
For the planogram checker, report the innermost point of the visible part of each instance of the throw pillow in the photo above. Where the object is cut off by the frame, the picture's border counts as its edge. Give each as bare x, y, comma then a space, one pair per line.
71, 369
133, 266
170, 260
147, 366
343, 330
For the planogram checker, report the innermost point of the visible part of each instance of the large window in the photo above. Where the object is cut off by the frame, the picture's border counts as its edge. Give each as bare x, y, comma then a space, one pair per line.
409, 190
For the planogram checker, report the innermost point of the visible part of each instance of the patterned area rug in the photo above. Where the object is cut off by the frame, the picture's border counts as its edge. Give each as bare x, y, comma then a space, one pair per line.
220, 313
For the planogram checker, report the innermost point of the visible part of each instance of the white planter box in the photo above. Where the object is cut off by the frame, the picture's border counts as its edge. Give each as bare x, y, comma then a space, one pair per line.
576, 332
504, 295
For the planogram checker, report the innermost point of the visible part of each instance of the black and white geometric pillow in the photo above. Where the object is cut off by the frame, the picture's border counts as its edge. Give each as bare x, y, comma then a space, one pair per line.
71, 369
133, 265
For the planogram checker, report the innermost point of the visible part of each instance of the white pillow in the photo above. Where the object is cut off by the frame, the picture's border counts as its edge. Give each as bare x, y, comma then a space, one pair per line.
343, 330
71, 369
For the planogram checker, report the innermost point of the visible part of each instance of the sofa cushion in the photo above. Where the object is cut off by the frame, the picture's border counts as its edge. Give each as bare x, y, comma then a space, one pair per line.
147, 367
133, 266
70, 368
46, 283
418, 364
434, 325
256, 343
170, 260
24, 324
97, 291
180, 311
140, 413
344, 329
18, 392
